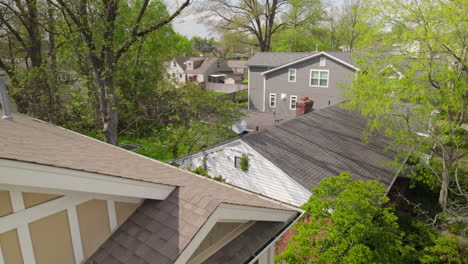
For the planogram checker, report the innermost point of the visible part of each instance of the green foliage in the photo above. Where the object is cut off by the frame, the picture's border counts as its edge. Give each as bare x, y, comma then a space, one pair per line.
244, 162
203, 44
204, 172
346, 222
445, 250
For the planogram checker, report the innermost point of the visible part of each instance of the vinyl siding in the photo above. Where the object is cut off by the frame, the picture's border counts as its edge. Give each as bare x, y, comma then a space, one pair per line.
340, 76
256, 88
262, 177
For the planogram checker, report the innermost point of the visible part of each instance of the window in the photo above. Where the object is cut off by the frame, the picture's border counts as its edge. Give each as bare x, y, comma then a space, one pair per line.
319, 78
180, 75
323, 61
292, 75
272, 100
237, 162
292, 102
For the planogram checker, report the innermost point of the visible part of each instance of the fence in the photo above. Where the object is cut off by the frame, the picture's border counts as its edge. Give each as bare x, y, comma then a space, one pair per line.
225, 88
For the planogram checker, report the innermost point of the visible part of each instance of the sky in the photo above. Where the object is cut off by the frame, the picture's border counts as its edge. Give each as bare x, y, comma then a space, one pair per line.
188, 23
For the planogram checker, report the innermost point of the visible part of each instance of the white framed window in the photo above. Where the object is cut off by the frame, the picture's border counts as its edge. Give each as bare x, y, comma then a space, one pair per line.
237, 162
319, 78
323, 61
272, 100
292, 75
292, 102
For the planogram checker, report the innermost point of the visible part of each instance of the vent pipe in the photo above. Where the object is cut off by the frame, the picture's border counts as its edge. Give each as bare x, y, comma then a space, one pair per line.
4, 99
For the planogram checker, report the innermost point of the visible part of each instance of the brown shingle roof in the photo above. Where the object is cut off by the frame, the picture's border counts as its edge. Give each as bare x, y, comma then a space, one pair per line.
30, 140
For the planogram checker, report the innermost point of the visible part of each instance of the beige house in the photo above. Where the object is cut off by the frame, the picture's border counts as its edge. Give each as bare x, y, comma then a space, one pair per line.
66, 198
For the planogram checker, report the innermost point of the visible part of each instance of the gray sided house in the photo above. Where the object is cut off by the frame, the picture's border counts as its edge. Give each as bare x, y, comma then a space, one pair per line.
293, 157
278, 80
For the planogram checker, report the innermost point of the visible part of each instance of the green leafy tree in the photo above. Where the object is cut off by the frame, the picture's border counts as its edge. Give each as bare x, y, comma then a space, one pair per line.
414, 87
346, 221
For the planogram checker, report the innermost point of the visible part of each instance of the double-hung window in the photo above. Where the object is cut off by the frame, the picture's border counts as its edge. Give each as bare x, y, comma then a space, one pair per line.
292, 75
272, 100
318, 78
292, 102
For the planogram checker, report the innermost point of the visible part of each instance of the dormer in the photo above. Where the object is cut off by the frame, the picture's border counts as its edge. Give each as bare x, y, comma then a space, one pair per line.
189, 65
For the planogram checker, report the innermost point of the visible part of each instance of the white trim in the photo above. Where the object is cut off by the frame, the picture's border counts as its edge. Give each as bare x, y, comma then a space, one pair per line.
226, 212
17, 202
112, 214
290, 102
248, 88
276, 239
205, 254
269, 100
264, 91
37, 212
311, 57
25, 242
75, 234
321, 86
62, 192
42, 176
289, 74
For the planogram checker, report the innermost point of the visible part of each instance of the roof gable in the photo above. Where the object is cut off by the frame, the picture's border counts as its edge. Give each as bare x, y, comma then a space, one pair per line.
344, 60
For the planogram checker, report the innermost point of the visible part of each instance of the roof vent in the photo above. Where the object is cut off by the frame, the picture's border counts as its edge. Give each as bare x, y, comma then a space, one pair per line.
130, 147
4, 99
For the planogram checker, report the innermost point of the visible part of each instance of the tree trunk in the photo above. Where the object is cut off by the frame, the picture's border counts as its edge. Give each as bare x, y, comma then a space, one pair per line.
445, 181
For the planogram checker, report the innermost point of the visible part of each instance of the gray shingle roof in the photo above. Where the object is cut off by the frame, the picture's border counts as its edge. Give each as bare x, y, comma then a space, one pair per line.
275, 59
187, 208
322, 144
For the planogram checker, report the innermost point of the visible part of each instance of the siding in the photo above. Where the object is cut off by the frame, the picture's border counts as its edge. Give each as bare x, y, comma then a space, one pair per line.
256, 88
262, 177
339, 77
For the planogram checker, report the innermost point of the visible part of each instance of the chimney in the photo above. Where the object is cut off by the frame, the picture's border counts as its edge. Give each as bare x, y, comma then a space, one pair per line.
4, 99
303, 106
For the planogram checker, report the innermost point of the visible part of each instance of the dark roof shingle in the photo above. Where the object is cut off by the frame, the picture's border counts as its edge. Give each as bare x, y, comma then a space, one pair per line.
276, 59
324, 143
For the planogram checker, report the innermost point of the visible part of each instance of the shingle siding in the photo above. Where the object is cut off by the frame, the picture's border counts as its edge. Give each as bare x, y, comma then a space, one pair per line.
256, 88
340, 76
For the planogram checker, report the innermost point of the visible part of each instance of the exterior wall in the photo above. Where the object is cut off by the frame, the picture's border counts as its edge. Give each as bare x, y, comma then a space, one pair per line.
57, 235
124, 210
51, 239
94, 225
218, 231
256, 88
262, 177
277, 82
5, 203
10, 247
32, 199
176, 73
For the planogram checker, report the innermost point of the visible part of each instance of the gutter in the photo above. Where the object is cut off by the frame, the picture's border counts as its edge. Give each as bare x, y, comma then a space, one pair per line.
273, 240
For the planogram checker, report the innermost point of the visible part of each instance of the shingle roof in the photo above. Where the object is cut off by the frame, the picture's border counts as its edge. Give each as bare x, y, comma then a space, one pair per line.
324, 143
275, 59
236, 63
195, 198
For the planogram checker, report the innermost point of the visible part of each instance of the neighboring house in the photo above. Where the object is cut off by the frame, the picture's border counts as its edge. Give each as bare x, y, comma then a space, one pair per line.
237, 66
277, 80
67, 198
199, 69
293, 157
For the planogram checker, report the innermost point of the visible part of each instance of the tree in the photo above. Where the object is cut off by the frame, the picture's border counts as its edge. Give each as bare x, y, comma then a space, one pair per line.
27, 24
261, 19
346, 221
203, 44
415, 88
199, 116
97, 24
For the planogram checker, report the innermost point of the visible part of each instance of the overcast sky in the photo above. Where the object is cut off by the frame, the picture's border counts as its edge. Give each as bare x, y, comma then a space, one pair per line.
188, 25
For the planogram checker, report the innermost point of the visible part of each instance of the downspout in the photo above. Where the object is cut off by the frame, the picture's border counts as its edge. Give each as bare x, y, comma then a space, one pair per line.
4, 99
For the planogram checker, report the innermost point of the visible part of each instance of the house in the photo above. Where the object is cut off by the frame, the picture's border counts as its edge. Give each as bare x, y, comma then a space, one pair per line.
199, 69
67, 198
237, 66
278, 79
288, 160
